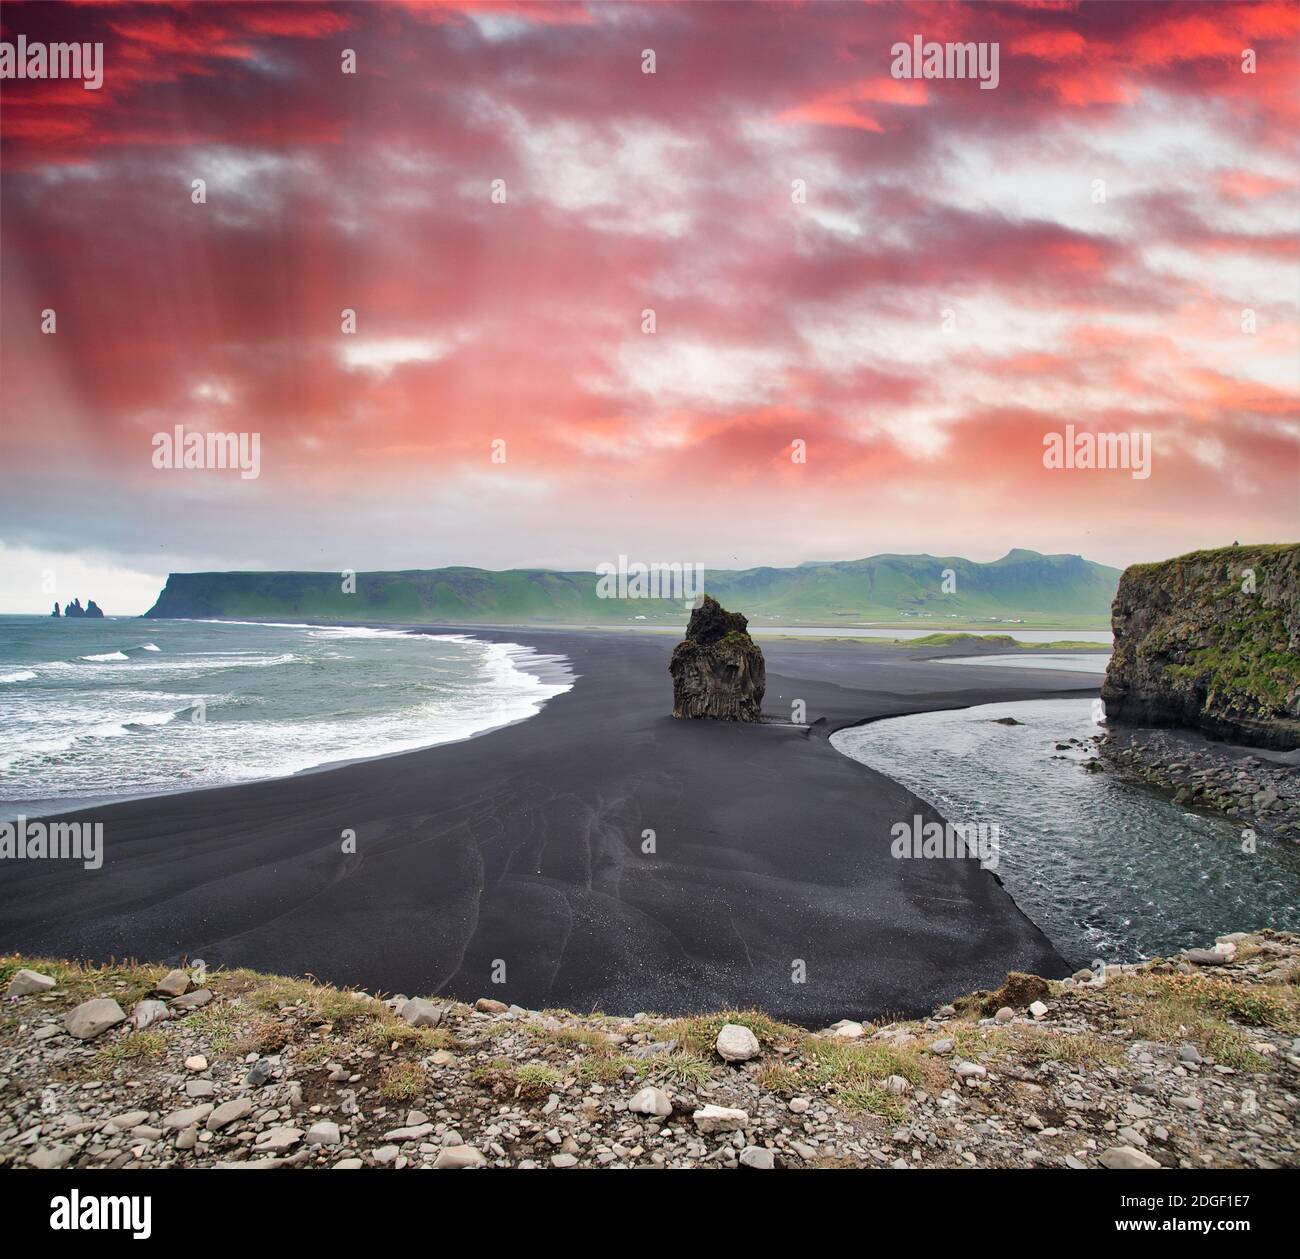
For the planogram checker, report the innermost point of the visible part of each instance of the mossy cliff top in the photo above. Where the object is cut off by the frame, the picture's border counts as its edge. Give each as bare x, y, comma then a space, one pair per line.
1211, 641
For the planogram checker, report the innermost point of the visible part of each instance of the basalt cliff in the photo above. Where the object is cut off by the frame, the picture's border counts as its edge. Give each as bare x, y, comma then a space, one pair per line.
1211, 642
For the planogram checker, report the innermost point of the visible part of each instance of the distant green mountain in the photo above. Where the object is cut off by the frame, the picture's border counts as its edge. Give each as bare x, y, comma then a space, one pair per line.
1023, 585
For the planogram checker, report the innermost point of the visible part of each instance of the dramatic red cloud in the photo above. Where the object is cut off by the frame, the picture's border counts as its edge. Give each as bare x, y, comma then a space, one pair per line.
917, 279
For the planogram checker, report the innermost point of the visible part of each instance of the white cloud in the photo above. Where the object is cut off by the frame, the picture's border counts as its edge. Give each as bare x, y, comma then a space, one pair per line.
694, 372
627, 179
213, 391
383, 355
496, 28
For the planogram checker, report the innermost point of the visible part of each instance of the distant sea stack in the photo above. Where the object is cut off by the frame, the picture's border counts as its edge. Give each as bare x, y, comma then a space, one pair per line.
74, 609
717, 669
1210, 641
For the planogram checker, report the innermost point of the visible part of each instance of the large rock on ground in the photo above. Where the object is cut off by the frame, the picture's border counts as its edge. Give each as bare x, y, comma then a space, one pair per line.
1127, 1158
26, 982
92, 1018
459, 1156
421, 1013
147, 1013
717, 669
1210, 641
651, 1101
737, 1043
173, 984
712, 1118
228, 1113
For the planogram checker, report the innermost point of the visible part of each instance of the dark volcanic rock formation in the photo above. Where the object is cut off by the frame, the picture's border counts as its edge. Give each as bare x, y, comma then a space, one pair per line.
717, 669
74, 609
1211, 641
56, 610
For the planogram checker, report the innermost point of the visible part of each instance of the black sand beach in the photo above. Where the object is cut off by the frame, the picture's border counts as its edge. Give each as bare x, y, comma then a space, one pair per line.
524, 847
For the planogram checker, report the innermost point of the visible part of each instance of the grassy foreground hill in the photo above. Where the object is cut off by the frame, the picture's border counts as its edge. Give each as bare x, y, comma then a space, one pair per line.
1024, 585
1186, 1062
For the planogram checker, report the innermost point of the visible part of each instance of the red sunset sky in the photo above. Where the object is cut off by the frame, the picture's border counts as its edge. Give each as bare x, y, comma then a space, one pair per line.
822, 321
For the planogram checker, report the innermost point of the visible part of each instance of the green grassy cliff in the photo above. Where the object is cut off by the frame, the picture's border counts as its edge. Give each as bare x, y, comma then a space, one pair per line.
1211, 641
1045, 589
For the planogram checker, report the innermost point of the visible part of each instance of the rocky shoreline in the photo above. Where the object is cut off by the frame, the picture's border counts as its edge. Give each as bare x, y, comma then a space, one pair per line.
1185, 1062
1261, 791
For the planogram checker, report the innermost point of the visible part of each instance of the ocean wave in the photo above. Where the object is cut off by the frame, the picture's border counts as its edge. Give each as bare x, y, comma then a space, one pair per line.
344, 631
23, 675
354, 631
153, 720
206, 662
124, 725
42, 749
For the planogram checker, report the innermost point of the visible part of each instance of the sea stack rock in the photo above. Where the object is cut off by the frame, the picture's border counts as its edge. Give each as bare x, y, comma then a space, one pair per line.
56, 610
717, 669
1210, 641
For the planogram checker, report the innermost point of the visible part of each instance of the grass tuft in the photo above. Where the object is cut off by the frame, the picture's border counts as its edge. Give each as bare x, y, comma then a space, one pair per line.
682, 1068
698, 1033
134, 1047
536, 1081
776, 1077
531, 1082
219, 1025
402, 1082
1170, 1009
604, 1069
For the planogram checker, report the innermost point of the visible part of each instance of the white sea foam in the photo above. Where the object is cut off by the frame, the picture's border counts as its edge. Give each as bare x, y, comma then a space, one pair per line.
215, 703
